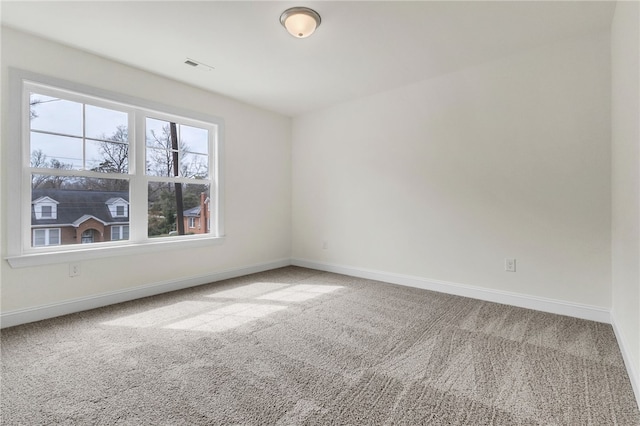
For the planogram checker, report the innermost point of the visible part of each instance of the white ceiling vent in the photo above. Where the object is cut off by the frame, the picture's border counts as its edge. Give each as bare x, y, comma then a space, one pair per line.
199, 65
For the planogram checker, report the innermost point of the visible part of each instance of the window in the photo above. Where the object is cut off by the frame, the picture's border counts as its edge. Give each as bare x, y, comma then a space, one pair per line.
177, 166
88, 236
192, 222
45, 208
118, 207
132, 166
46, 237
119, 232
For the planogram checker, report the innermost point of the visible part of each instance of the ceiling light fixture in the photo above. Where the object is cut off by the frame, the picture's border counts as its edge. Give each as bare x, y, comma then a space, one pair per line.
301, 22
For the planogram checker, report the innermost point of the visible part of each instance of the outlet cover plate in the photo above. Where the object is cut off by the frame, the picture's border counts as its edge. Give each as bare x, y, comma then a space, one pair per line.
510, 265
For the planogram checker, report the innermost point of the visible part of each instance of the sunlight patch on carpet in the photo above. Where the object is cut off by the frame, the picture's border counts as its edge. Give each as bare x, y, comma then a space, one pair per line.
215, 317
226, 318
299, 293
158, 316
249, 290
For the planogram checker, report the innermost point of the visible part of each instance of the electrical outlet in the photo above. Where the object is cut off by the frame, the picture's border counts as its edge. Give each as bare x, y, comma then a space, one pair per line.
74, 269
510, 265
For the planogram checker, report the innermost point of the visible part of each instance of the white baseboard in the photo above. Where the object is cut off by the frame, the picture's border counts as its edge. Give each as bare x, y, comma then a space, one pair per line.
634, 375
23, 316
560, 307
11, 318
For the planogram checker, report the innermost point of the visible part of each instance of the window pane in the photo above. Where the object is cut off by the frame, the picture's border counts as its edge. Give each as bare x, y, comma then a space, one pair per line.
106, 124
39, 237
46, 211
115, 233
190, 152
107, 157
83, 207
55, 115
125, 232
194, 166
56, 152
160, 153
195, 139
158, 132
163, 209
54, 237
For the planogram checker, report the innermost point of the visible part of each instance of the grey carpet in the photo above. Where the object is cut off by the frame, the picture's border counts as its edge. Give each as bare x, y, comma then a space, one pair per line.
295, 346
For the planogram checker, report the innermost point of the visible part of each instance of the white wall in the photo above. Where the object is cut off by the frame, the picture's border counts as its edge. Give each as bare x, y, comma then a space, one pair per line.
625, 53
257, 182
445, 178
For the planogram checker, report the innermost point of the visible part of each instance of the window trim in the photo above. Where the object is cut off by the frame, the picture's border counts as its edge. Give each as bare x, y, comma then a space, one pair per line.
20, 253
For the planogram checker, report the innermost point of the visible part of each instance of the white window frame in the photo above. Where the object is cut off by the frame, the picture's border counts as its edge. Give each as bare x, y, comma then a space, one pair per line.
20, 250
192, 222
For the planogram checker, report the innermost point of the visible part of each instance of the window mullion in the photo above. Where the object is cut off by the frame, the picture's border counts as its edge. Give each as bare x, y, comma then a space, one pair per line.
138, 216
26, 205
214, 188
84, 136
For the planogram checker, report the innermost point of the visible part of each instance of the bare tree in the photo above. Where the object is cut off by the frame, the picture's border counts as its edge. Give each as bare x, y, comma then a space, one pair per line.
115, 152
40, 160
161, 152
33, 103
32, 110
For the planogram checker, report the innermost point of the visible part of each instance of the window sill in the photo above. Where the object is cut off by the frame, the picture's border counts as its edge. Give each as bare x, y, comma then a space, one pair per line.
49, 258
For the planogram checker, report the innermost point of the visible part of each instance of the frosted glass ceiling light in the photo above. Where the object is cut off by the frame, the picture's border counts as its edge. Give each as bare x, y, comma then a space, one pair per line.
301, 22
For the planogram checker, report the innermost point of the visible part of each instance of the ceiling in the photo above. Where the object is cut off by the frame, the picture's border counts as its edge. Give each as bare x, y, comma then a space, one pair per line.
360, 48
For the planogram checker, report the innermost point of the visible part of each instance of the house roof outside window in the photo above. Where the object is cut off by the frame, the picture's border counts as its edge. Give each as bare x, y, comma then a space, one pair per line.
193, 212
75, 204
